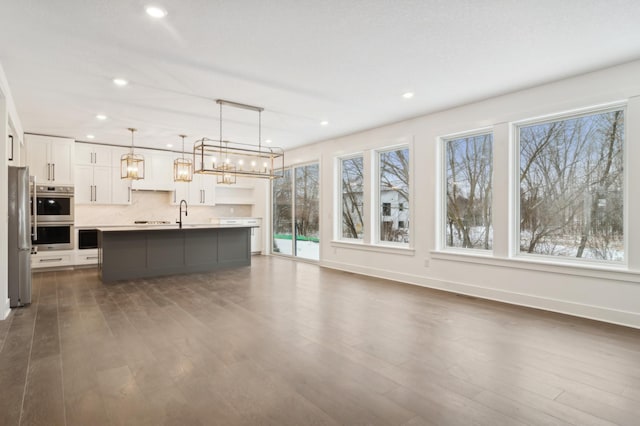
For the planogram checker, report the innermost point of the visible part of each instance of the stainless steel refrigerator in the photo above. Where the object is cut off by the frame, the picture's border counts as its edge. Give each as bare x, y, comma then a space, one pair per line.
19, 237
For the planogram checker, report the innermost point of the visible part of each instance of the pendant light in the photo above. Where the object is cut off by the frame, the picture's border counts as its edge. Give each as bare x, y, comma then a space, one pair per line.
131, 164
182, 167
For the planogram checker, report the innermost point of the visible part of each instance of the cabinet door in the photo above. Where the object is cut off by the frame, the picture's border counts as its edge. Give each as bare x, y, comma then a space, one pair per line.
196, 194
208, 185
102, 185
180, 192
120, 188
84, 154
37, 157
256, 240
61, 158
101, 155
84, 187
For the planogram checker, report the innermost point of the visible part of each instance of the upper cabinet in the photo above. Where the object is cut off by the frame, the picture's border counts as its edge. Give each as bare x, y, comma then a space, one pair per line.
93, 155
158, 171
50, 159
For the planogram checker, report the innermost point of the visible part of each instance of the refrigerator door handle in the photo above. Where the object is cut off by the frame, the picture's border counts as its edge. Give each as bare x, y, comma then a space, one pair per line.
34, 232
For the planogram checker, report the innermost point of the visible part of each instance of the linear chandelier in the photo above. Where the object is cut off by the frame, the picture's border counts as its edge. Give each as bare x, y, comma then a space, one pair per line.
228, 160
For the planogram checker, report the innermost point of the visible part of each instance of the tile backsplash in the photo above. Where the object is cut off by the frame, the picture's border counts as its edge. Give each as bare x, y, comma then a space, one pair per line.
152, 205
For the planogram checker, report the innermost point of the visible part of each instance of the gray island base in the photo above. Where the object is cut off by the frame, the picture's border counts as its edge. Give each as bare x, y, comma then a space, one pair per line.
126, 253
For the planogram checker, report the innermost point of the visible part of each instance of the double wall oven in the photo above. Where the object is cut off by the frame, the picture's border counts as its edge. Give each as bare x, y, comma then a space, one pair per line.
52, 215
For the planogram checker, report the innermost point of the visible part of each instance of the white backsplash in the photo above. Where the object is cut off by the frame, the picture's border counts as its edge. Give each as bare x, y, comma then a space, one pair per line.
152, 205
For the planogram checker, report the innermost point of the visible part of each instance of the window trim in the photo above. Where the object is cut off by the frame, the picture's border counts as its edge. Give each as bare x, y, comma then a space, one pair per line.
514, 135
441, 234
338, 235
375, 212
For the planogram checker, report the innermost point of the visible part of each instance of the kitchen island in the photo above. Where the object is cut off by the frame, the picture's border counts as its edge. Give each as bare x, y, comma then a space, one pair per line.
131, 252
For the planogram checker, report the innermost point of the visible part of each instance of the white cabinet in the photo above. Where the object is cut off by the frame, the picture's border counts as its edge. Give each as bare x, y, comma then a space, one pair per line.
199, 192
14, 150
256, 234
52, 259
93, 155
158, 171
239, 193
50, 159
86, 257
93, 184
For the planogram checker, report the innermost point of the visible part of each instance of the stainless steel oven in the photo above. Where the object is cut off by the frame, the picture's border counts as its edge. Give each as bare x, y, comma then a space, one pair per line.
53, 204
53, 236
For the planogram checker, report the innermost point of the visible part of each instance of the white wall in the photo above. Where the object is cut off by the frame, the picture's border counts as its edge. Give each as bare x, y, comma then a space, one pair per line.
7, 114
611, 295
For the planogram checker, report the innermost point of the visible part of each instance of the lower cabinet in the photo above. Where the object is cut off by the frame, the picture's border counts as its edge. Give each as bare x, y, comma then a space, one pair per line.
86, 257
52, 259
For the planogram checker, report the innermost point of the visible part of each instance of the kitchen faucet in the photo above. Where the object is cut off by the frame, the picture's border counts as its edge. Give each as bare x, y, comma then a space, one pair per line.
179, 222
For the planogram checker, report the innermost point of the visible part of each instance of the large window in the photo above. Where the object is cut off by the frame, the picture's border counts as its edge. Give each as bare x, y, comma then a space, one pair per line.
283, 214
296, 214
393, 195
571, 187
352, 170
469, 167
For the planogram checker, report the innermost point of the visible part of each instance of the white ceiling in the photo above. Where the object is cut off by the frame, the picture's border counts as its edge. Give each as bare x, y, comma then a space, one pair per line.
345, 61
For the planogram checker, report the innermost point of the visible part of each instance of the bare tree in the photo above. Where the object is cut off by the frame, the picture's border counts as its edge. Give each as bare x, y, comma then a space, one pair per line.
469, 175
352, 197
570, 186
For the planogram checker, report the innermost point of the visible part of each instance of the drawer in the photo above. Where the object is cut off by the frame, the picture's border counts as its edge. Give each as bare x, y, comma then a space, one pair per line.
87, 257
51, 260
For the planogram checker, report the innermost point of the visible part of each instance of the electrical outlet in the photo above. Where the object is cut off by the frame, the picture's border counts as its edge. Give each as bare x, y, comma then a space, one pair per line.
231, 210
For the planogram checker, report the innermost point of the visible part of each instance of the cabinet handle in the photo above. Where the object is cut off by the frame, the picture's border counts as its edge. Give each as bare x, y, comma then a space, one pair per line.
48, 171
128, 194
57, 259
95, 192
53, 167
202, 201
11, 142
91, 257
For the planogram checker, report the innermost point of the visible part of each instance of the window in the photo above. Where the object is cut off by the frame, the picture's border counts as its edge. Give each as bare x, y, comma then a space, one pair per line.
393, 189
469, 167
352, 170
571, 187
282, 214
296, 195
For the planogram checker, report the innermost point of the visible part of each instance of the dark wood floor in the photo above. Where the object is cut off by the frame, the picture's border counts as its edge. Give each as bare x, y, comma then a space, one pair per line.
287, 343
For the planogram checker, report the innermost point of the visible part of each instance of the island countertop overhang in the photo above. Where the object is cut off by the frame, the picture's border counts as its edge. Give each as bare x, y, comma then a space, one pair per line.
172, 227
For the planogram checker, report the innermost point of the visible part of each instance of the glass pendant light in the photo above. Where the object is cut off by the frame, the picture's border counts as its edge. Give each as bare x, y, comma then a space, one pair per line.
131, 164
182, 167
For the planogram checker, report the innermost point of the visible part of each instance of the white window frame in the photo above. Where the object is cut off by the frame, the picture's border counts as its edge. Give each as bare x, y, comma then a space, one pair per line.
338, 234
376, 208
515, 183
442, 196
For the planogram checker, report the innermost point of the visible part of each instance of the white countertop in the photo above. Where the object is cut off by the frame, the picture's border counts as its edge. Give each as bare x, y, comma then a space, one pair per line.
167, 227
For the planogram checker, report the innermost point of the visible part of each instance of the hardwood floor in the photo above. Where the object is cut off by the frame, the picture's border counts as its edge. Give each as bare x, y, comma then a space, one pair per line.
289, 343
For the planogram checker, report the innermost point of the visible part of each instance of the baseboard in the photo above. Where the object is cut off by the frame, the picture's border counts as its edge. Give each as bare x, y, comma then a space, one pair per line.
6, 310
625, 318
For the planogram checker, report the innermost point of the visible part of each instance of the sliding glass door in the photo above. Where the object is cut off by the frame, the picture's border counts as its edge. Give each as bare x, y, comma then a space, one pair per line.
296, 212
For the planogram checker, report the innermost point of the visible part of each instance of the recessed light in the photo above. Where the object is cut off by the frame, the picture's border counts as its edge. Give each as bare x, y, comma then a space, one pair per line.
408, 95
156, 12
169, 145
101, 117
90, 137
120, 82
267, 141
324, 123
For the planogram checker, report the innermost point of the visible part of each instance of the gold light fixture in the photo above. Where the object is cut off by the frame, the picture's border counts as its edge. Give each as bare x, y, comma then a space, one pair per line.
228, 159
131, 164
182, 167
